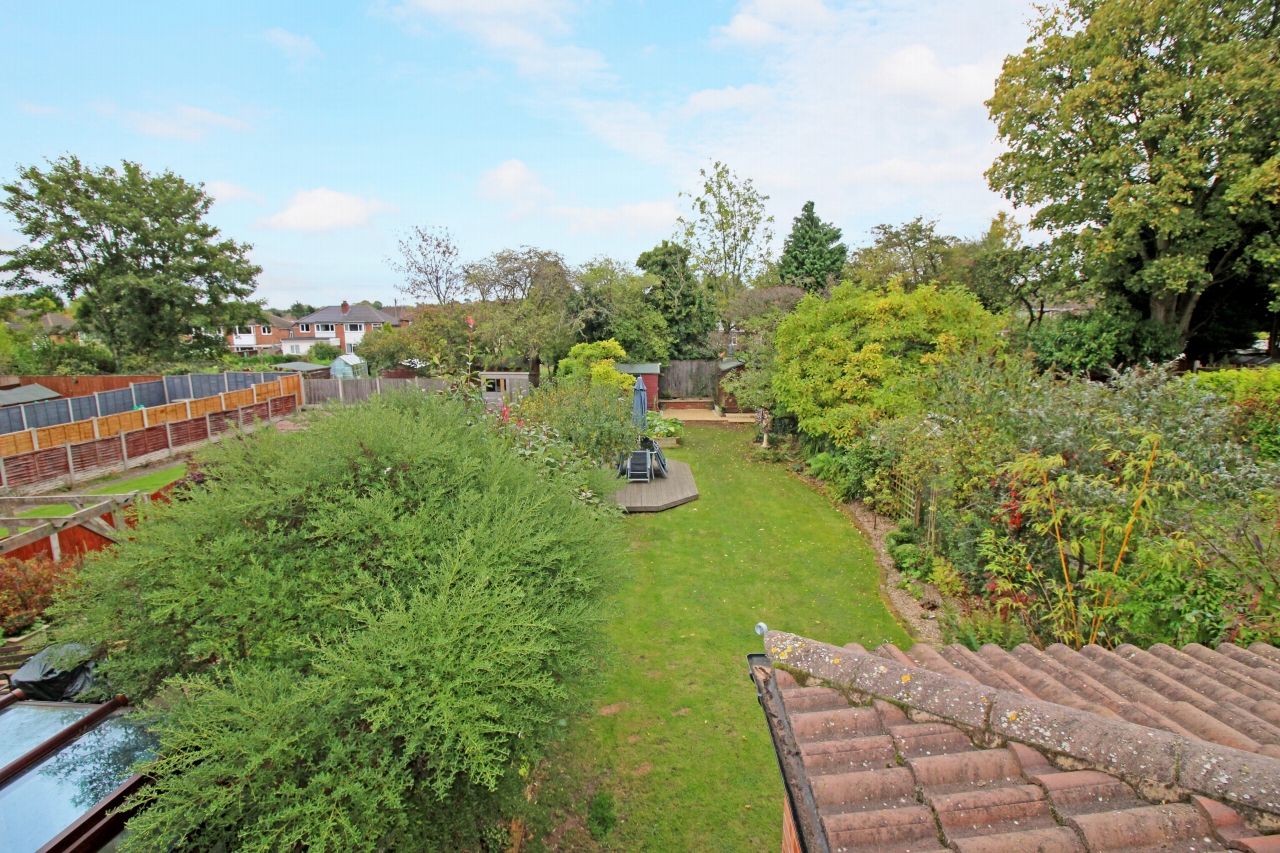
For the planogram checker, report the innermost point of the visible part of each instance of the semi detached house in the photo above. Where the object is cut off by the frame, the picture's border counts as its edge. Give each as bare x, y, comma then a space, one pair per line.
343, 325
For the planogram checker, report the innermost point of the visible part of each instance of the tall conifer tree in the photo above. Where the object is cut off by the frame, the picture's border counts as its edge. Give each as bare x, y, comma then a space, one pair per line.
812, 256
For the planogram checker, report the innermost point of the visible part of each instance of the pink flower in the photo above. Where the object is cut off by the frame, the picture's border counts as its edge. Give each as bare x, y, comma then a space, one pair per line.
471, 322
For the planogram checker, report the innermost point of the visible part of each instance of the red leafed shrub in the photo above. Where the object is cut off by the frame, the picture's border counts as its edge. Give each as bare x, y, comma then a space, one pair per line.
27, 587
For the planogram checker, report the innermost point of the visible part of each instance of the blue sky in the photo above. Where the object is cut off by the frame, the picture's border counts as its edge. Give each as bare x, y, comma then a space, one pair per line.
325, 130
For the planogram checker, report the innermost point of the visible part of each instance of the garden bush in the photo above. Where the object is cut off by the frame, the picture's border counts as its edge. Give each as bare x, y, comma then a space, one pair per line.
1256, 396
27, 588
592, 416
357, 637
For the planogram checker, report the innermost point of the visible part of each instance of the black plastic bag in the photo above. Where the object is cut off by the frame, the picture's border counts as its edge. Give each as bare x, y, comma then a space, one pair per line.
58, 674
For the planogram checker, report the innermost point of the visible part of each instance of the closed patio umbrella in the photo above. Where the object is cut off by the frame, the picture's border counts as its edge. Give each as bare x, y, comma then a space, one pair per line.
641, 407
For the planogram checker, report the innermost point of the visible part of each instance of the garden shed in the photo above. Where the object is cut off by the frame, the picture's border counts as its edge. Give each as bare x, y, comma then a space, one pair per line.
349, 366
726, 401
647, 372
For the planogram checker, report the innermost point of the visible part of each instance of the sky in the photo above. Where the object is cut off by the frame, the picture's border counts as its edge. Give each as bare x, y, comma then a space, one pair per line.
326, 130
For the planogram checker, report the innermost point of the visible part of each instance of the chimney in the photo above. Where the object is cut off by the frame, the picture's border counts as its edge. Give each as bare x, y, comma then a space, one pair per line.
345, 306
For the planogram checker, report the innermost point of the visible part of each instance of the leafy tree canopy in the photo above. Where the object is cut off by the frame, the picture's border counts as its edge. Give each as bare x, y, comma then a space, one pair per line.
1148, 131
845, 362
728, 231
812, 256
610, 303
680, 298
134, 249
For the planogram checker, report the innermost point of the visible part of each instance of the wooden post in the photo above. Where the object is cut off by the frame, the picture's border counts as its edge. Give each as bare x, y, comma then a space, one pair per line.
377, 384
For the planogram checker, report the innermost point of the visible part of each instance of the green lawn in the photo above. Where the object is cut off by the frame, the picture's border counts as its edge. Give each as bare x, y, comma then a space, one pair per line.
681, 742
146, 483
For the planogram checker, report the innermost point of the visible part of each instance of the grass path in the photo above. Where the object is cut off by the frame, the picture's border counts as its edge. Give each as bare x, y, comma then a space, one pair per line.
678, 736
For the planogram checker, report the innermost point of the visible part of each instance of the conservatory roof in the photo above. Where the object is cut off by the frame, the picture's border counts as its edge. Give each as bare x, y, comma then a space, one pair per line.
64, 773
1029, 751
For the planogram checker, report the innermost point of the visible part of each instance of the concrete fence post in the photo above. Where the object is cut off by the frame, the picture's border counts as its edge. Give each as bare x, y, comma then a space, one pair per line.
95, 428
341, 399
208, 425
35, 440
145, 418
377, 384
124, 448
22, 410
71, 465
4, 475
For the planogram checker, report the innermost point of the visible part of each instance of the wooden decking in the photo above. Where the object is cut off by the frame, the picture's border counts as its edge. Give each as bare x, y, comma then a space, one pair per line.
659, 494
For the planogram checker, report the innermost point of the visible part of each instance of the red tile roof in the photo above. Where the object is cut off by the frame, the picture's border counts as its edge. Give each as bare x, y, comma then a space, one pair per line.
1029, 751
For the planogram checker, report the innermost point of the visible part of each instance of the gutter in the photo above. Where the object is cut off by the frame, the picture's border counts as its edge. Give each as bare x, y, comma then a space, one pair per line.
800, 799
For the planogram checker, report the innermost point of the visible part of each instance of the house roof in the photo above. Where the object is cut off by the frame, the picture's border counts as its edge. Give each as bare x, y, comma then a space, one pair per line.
729, 363
278, 322
1053, 751
299, 367
33, 393
403, 313
638, 368
355, 314
52, 321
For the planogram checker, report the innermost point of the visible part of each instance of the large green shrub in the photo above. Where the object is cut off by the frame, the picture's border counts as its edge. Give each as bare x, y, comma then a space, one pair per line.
595, 417
845, 362
352, 638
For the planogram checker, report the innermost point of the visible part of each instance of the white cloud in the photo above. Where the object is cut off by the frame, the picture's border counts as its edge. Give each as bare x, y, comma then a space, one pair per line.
627, 127
516, 187
184, 122
222, 191
914, 71
645, 217
323, 209
525, 32
764, 21
296, 47
749, 97
521, 192
37, 109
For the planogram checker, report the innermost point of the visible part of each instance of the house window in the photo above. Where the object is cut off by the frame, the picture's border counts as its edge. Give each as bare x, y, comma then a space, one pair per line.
295, 350
324, 327
375, 326
244, 330
355, 327
266, 330
351, 348
304, 327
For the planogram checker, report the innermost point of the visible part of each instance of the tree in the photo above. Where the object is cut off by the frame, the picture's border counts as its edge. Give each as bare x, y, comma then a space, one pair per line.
610, 302
811, 256
429, 263
914, 253
1005, 273
728, 232
436, 341
135, 250
680, 298
323, 353
524, 313
300, 309
1146, 131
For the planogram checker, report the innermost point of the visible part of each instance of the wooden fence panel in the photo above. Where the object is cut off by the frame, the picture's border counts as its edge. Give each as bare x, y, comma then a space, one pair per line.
236, 399
188, 432
223, 421
123, 422
79, 386
358, 390
322, 390
143, 441
163, 414
15, 443
689, 378
36, 467
205, 405
291, 384
283, 405
264, 391
73, 433
256, 412
91, 455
